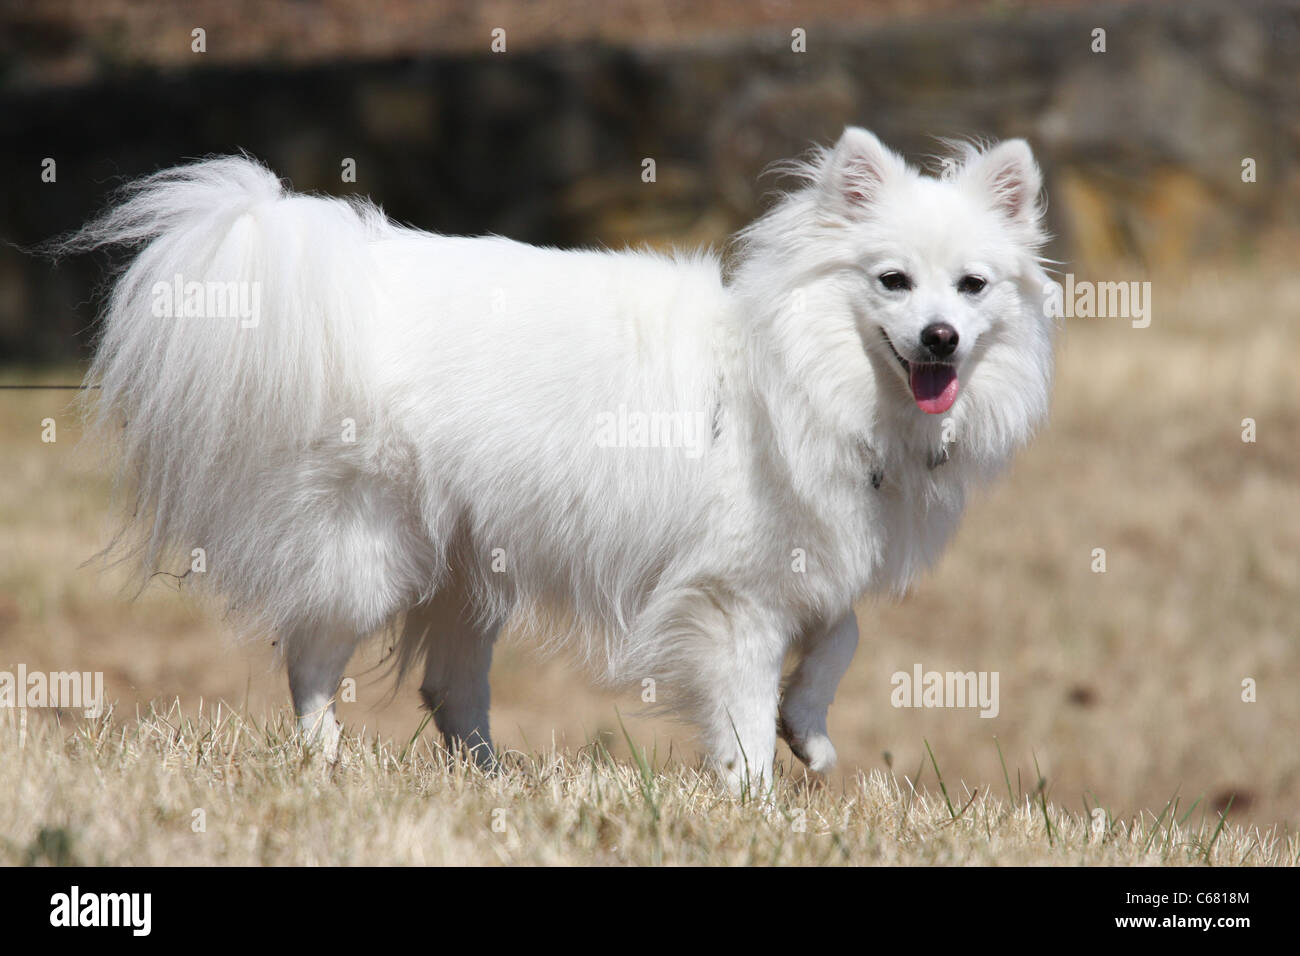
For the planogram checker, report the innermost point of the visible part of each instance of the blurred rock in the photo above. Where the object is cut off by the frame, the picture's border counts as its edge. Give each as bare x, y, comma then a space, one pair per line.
1142, 146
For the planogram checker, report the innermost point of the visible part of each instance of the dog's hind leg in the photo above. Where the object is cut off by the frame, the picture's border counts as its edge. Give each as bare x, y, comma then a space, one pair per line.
808, 694
457, 650
316, 660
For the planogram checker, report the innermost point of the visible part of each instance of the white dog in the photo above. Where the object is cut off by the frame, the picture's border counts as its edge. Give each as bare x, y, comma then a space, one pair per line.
679, 475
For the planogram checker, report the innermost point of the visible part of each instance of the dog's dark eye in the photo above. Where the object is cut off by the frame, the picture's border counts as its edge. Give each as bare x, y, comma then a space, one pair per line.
971, 285
895, 281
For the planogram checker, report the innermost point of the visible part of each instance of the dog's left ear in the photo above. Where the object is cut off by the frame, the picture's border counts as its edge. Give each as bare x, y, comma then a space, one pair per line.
1008, 173
856, 171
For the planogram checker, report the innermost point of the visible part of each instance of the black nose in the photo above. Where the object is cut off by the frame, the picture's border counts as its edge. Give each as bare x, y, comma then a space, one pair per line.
940, 339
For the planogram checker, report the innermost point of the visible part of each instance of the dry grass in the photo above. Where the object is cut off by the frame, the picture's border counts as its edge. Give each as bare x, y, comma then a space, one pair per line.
218, 788
1122, 690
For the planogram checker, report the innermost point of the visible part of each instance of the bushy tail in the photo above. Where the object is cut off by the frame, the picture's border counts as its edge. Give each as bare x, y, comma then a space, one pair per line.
228, 342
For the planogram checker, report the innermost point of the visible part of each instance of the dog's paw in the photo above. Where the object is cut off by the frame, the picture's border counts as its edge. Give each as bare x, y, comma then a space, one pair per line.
813, 747
739, 779
320, 738
817, 751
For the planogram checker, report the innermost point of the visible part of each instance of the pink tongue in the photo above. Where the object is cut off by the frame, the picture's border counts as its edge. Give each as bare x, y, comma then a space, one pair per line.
934, 386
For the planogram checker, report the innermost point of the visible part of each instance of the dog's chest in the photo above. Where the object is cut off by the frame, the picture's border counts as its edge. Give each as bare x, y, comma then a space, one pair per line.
907, 507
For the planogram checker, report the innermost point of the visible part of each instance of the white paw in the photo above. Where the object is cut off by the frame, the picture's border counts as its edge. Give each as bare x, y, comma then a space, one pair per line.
329, 742
320, 736
741, 780
813, 747
818, 753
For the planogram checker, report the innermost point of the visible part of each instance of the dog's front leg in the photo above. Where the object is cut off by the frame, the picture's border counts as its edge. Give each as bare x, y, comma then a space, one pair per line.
826, 654
737, 687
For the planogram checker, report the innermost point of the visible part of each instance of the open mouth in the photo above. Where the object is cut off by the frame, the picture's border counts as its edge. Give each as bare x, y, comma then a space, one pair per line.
934, 385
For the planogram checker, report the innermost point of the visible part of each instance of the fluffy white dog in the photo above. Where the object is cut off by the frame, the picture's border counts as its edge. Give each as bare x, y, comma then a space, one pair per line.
680, 475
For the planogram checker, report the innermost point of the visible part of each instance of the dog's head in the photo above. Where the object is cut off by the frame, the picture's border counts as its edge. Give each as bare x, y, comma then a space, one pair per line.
942, 261
913, 294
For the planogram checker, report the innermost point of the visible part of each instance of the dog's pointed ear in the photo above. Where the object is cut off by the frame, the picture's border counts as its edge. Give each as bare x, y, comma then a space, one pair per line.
858, 168
1010, 177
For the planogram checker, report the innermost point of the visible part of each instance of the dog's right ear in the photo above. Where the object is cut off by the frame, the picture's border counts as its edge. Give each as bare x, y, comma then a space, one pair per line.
857, 170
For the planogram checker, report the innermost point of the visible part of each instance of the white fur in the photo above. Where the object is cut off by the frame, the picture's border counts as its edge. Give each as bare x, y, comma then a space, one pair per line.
478, 371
